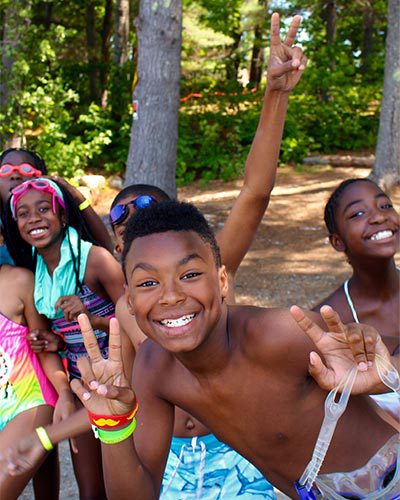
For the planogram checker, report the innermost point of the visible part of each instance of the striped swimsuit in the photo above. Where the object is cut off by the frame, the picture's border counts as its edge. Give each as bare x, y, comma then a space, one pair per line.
23, 384
71, 332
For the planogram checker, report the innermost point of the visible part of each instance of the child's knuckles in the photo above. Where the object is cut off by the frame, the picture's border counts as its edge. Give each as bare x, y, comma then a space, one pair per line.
369, 341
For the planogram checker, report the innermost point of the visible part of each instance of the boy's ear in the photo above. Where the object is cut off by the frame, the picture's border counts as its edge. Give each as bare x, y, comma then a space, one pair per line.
223, 282
128, 300
337, 242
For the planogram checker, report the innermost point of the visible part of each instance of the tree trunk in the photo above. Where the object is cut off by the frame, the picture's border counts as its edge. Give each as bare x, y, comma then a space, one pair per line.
368, 29
105, 52
257, 55
91, 50
257, 59
328, 15
232, 59
387, 166
154, 134
121, 32
13, 26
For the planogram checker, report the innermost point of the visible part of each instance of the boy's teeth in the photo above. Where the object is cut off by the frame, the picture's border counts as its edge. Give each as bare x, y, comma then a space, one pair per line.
381, 235
174, 323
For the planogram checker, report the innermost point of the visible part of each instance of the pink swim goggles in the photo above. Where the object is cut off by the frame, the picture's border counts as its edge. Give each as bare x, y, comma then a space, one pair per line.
41, 184
24, 169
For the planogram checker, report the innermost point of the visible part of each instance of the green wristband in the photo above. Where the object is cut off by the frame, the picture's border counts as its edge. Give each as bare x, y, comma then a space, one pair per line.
85, 203
44, 438
114, 437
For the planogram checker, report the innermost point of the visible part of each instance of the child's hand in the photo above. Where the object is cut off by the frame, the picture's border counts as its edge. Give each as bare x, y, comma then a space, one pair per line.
44, 341
286, 63
71, 306
342, 346
65, 406
73, 191
22, 457
104, 388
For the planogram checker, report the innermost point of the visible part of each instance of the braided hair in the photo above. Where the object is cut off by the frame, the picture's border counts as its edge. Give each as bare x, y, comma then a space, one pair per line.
37, 161
333, 202
21, 251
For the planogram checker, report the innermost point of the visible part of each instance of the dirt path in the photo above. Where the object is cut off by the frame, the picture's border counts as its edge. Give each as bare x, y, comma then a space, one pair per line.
290, 261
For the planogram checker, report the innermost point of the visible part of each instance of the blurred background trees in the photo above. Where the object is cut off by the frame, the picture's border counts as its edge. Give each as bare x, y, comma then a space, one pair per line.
69, 72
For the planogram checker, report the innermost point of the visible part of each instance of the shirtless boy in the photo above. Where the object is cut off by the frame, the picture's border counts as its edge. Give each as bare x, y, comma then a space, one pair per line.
242, 371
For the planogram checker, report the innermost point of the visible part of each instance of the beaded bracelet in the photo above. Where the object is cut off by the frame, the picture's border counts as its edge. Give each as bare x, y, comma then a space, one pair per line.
112, 421
44, 438
114, 437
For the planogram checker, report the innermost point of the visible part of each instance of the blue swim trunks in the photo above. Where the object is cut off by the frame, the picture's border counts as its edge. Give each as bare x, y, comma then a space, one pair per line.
207, 469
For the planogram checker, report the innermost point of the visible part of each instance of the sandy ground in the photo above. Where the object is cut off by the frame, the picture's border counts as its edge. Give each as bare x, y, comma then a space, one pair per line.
290, 261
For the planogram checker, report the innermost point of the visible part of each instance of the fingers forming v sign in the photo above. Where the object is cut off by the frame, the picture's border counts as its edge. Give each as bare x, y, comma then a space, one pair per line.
286, 62
104, 388
342, 346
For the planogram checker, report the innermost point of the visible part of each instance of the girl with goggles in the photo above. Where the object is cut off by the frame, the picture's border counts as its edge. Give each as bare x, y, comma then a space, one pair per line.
43, 185
17, 165
23, 169
47, 234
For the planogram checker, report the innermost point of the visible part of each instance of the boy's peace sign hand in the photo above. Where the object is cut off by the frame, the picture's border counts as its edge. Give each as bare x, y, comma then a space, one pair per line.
342, 346
286, 63
104, 389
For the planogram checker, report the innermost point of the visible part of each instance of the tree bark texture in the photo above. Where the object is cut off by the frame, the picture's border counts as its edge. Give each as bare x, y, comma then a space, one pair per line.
105, 51
154, 133
368, 30
328, 15
257, 54
257, 59
387, 166
91, 47
121, 32
13, 23
232, 60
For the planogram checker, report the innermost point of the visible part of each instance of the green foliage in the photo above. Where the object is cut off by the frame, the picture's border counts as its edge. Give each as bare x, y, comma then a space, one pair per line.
53, 108
215, 133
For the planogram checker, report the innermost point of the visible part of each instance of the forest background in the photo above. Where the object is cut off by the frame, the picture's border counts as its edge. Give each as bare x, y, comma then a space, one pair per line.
69, 72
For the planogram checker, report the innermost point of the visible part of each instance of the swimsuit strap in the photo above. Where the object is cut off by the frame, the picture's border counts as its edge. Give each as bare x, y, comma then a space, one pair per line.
349, 301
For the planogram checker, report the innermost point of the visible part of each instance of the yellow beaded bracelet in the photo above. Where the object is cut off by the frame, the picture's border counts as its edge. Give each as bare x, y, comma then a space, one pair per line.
85, 203
44, 438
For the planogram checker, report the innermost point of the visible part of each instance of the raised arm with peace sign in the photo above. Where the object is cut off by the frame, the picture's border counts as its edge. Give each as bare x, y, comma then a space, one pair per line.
286, 62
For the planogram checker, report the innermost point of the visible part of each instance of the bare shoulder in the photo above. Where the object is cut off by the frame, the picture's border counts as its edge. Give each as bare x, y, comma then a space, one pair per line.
99, 256
270, 335
18, 277
16, 292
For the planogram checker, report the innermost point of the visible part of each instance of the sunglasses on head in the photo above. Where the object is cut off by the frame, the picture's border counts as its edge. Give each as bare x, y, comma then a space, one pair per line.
25, 169
45, 185
120, 212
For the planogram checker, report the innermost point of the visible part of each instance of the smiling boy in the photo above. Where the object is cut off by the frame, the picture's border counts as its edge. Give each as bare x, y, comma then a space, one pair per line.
242, 371
231, 367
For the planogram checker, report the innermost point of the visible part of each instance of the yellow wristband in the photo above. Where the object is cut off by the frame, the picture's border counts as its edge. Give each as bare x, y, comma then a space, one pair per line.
85, 203
44, 438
